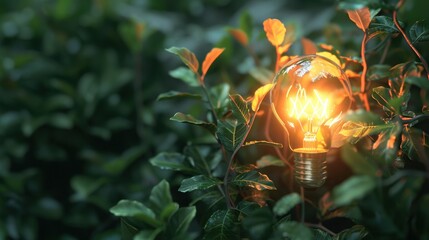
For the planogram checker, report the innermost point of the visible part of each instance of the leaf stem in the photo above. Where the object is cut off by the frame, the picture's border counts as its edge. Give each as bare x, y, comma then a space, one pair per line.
363, 83
410, 44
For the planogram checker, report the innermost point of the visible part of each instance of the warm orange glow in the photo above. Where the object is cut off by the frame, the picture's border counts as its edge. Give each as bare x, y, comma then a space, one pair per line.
305, 107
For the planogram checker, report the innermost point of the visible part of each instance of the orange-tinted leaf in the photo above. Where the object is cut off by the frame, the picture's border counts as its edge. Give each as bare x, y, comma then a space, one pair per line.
275, 31
326, 47
259, 95
282, 49
210, 57
239, 35
308, 46
283, 60
187, 57
361, 17
330, 56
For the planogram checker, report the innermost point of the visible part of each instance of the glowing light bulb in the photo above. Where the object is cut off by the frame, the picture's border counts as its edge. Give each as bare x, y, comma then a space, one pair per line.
309, 97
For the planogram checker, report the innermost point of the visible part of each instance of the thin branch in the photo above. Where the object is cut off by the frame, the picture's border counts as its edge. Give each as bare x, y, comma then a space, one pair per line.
410, 44
363, 83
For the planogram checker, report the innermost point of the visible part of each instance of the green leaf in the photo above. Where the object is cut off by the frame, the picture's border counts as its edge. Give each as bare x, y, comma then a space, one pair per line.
269, 160
186, 118
263, 142
262, 75
382, 25
378, 72
161, 202
295, 231
222, 225
246, 23
418, 32
172, 95
187, 57
199, 182
179, 222
197, 160
135, 209
128, 231
416, 144
259, 223
231, 133
357, 162
286, 203
147, 234
240, 108
382, 96
171, 161
84, 186
321, 235
358, 130
219, 96
253, 179
356, 232
186, 75
352, 189
420, 82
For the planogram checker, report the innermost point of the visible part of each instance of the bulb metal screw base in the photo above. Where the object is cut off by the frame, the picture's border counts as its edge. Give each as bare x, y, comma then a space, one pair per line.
310, 167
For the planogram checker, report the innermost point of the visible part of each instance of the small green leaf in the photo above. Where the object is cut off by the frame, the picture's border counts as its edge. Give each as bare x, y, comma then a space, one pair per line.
286, 203
420, 82
263, 142
186, 118
352, 189
199, 182
147, 234
382, 25
161, 202
222, 225
378, 72
246, 23
358, 163
295, 231
179, 222
84, 186
419, 32
382, 96
240, 108
269, 160
171, 161
187, 57
356, 232
254, 179
128, 231
197, 160
130, 208
219, 96
172, 95
231, 133
386, 145
186, 75
416, 144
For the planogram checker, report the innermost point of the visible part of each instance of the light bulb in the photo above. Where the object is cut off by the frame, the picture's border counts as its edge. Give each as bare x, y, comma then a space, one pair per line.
309, 97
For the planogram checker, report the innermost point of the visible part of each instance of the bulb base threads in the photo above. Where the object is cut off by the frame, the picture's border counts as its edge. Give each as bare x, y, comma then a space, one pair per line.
310, 167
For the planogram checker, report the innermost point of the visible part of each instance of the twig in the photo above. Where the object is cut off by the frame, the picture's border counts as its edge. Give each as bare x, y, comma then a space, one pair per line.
363, 85
410, 44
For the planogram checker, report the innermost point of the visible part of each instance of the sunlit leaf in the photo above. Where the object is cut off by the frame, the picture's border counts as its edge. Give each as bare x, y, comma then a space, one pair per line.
320, 65
210, 58
357, 162
239, 35
260, 95
357, 130
295, 230
352, 189
253, 179
161, 202
419, 32
171, 161
286, 203
171, 95
222, 225
135, 209
416, 144
382, 96
308, 46
329, 56
386, 145
263, 142
186, 118
269, 160
187, 57
199, 182
361, 17
275, 31
231, 133
240, 109
186, 75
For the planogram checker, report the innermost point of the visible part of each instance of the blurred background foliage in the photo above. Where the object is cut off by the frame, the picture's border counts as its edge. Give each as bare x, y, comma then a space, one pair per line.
79, 81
